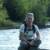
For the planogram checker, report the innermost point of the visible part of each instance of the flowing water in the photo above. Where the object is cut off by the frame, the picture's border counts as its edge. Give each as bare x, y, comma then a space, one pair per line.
9, 39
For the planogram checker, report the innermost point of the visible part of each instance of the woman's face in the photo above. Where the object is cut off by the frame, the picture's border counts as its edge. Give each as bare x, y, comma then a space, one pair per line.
29, 21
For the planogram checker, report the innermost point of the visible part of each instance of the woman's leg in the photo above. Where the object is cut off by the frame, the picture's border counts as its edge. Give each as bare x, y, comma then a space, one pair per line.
37, 43
23, 47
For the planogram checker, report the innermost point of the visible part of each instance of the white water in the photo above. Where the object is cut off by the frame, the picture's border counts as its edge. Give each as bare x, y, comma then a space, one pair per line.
9, 39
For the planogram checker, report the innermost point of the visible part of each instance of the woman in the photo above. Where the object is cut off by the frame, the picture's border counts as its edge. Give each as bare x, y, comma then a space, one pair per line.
29, 34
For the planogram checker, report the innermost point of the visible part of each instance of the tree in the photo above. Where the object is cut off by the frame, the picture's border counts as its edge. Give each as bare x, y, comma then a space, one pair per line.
20, 7
40, 11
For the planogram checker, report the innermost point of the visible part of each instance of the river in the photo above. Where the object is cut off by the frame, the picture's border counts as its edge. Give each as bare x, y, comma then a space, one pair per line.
9, 39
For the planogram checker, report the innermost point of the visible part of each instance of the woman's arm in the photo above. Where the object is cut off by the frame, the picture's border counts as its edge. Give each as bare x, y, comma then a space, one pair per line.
38, 35
22, 37
37, 32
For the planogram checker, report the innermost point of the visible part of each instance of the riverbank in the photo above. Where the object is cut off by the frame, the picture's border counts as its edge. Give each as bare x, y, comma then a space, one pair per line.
13, 26
44, 26
17, 26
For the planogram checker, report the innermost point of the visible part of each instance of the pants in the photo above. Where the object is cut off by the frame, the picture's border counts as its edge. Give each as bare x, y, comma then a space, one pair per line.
26, 47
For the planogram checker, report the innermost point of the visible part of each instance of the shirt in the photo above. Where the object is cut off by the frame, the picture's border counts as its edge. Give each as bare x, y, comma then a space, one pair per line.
29, 34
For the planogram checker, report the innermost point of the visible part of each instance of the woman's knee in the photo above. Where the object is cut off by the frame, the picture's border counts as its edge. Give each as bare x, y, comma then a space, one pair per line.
37, 43
22, 47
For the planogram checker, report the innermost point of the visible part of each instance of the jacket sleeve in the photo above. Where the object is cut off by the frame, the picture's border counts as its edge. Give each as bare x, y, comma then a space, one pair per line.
22, 28
21, 32
37, 32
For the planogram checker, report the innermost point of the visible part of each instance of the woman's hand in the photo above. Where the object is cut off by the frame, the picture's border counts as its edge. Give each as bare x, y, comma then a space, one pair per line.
31, 43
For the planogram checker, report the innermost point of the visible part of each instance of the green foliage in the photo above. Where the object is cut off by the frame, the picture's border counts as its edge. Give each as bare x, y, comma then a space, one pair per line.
21, 7
40, 11
3, 16
39, 7
17, 9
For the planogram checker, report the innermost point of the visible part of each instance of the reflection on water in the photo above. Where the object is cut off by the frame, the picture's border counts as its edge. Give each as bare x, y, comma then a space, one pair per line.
9, 39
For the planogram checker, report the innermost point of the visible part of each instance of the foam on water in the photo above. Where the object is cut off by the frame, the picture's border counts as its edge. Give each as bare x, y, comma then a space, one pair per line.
9, 39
